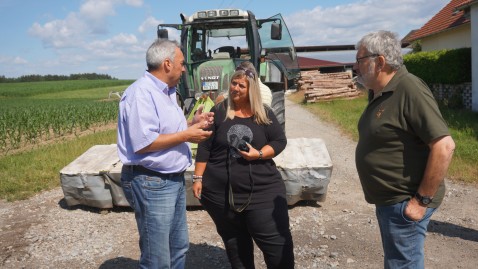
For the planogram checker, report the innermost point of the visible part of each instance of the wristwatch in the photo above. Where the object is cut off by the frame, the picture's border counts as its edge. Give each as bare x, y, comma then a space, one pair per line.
260, 155
424, 200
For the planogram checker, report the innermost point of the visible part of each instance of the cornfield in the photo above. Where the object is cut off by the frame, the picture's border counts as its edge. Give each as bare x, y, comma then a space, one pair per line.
21, 126
32, 120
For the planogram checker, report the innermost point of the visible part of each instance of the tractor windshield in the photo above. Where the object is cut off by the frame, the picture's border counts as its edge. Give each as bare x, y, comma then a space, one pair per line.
217, 43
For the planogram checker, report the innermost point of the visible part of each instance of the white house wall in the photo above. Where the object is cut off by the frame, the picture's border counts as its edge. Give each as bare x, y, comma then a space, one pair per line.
474, 56
452, 39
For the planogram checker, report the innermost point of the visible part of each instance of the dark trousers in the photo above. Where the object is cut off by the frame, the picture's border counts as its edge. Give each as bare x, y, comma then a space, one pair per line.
269, 228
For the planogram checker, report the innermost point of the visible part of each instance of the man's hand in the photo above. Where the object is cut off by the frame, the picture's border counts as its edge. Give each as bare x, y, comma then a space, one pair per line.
207, 117
414, 210
196, 132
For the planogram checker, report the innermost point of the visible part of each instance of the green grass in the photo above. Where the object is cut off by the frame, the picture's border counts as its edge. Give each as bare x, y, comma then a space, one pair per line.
463, 127
464, 130
25, 174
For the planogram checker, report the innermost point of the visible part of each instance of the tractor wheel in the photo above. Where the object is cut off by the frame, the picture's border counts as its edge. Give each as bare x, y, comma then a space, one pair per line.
278, 106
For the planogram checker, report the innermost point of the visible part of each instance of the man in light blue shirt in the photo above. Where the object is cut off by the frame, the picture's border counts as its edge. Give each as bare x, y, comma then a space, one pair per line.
152, 145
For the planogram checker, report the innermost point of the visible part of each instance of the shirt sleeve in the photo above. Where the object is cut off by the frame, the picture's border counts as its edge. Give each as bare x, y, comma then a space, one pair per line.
422, 113
275, 134
143, 128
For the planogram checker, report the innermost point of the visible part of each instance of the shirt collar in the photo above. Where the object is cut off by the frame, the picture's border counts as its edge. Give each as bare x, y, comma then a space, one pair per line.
392, 84
160, 84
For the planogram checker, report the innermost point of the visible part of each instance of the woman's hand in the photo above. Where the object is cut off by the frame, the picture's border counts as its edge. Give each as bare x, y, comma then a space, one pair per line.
197, 188
251, 155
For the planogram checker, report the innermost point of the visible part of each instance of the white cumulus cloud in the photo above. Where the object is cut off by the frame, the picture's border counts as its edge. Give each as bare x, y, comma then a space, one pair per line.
346, 24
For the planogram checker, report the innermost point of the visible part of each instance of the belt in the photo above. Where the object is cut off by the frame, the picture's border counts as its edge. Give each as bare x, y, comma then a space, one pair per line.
142, 169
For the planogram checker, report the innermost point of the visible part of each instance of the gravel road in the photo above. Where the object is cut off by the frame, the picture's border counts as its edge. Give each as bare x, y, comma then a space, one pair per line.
341, 232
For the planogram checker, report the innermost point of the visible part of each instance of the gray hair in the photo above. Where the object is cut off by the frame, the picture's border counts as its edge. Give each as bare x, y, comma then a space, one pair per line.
160, 50
384, 43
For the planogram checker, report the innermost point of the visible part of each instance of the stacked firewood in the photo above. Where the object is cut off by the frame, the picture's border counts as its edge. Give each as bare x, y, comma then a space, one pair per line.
327, 86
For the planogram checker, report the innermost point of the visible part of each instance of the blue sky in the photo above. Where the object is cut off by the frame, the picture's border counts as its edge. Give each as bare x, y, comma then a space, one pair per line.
111, 36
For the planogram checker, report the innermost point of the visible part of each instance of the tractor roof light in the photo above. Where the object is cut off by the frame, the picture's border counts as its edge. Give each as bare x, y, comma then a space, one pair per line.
234, 12
211, 13
217, 13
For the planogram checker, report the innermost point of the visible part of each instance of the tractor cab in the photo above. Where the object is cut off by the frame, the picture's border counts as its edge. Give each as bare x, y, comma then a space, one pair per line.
215, 41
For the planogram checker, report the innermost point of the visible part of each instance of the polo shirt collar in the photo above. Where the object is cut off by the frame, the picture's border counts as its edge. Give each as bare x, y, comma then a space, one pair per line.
392, 84
160, 84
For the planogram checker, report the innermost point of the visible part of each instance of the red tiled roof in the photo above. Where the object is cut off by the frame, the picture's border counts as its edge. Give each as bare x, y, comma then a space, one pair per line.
309, 63
466, 4
447, 18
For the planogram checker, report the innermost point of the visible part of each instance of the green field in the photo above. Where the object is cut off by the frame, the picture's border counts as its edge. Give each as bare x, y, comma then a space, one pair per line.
58, 89
35, 112
40, 127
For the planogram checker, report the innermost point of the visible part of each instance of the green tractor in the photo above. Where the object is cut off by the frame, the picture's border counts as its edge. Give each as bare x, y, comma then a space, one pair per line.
215, 41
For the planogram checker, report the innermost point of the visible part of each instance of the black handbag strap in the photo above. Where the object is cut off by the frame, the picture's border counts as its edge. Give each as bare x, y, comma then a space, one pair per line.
231, 193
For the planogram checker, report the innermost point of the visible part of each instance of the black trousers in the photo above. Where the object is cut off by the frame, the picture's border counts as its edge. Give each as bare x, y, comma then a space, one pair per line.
269, 228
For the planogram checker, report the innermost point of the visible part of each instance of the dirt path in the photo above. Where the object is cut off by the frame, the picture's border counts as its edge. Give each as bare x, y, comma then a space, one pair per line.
341, 232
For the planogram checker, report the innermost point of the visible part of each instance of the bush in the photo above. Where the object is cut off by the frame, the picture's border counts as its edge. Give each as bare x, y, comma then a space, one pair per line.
441, 66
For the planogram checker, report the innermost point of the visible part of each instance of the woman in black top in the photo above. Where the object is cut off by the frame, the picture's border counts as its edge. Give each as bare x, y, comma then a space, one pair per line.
237, 180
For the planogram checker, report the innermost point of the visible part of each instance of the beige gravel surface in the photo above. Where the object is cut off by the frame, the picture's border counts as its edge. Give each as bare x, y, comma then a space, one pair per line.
42, 232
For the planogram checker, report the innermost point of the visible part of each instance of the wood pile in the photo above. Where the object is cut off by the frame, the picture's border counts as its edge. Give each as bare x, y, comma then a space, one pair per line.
327, 86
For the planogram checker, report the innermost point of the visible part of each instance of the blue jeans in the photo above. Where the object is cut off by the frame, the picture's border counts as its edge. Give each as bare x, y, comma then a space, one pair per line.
403, 240
159, 204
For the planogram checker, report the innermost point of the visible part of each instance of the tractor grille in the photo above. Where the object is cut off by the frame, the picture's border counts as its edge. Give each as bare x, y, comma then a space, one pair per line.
213, 73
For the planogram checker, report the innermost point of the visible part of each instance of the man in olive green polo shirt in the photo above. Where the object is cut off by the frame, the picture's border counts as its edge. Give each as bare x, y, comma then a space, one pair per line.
404, 149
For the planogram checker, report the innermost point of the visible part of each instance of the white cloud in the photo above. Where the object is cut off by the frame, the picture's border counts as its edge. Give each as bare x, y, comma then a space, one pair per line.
75, 39
149, 25
97, 10
78, 27
95, 13
120, 46
12, 60
134, 3
60, 33
345, 24
19, 60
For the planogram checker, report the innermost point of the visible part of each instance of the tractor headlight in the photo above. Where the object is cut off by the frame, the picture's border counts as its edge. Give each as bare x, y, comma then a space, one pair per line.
234, 12
211, 13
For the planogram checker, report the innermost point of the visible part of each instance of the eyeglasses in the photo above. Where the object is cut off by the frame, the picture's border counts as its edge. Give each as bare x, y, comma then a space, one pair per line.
357, 60
248, 72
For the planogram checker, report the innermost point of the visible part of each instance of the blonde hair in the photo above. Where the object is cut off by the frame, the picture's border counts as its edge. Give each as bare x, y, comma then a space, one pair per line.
255, 99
